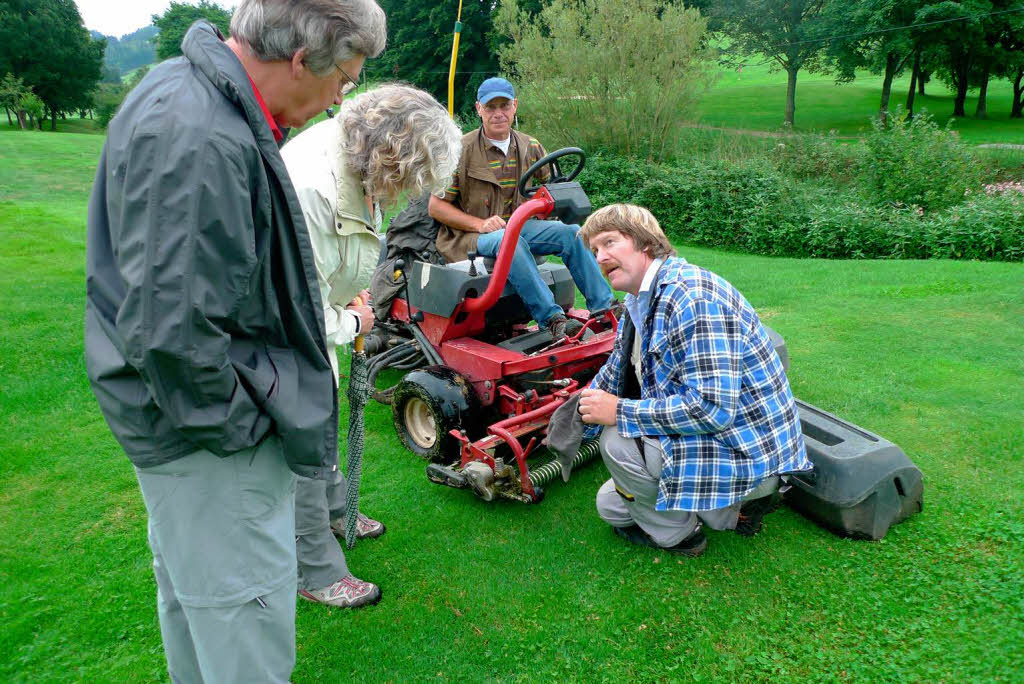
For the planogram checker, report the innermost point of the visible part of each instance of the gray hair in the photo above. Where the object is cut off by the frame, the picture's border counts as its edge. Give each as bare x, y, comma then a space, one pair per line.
331, 31
400, 140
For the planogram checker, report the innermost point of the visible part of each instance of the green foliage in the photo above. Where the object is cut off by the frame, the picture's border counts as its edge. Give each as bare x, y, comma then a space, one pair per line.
174, 23
752, 206
420, 49
12, 89
108, 99
129, 52
818, 158
621, 75
985, 227
44, 43
31, 105
914, 162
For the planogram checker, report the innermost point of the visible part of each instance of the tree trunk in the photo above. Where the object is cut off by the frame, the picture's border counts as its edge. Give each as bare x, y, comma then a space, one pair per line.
925, 76
982, 110
8, 111
53, 120
914, 76
890, 72
20, 114
961, 96
1017, 111
790, 95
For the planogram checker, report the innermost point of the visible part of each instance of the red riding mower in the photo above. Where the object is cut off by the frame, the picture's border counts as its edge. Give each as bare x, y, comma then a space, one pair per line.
483, 383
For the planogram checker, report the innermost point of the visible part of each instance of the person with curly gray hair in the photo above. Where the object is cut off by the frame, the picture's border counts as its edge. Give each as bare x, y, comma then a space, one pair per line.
386, 143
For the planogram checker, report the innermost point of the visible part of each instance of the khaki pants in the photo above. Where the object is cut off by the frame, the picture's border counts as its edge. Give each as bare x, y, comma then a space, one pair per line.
321, 561
222, 531
636, 475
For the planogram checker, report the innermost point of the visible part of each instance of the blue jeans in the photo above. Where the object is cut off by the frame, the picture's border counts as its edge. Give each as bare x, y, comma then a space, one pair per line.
544, 238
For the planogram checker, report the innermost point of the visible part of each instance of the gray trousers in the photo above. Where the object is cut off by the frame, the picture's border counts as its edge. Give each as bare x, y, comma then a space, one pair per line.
320, 560
221, 531
636, 475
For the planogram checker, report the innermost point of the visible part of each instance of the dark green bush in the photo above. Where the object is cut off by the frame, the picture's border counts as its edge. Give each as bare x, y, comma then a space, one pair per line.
986, 227
751, 206
819, 158
914, 162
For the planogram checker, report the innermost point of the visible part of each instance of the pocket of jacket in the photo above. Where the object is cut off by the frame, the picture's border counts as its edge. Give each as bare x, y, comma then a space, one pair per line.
286, 384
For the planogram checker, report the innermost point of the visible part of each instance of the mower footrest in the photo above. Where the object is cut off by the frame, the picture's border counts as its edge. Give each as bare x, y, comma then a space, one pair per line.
445, 475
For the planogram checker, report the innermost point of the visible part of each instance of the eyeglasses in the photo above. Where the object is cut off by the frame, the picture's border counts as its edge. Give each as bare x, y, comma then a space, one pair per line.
346, 88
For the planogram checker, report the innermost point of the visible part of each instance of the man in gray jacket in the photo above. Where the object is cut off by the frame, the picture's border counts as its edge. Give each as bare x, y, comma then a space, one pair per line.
205, 341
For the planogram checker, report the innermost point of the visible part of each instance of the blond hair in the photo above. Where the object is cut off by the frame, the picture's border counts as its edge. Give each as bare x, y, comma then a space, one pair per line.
634, 222
399, 140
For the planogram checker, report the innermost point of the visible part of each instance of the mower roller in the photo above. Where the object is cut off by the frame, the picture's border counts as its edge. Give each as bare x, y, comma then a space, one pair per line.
483, 380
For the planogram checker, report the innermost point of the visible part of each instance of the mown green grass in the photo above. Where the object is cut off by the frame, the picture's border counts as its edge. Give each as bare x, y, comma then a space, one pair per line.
755, 99
925, 353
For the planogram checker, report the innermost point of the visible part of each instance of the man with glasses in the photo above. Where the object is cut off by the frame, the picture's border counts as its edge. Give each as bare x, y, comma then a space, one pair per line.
482, 197
204, 335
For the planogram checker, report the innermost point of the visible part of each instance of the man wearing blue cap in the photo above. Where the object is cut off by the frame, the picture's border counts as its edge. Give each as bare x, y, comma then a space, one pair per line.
482, 197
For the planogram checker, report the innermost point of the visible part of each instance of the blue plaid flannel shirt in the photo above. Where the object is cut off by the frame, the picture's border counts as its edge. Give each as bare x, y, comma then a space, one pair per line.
713, 391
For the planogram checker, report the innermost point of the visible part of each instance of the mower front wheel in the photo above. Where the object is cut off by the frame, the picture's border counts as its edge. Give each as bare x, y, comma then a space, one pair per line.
428, 403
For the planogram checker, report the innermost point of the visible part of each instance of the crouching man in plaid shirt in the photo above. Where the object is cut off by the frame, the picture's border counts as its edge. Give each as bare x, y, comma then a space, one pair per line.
699, 420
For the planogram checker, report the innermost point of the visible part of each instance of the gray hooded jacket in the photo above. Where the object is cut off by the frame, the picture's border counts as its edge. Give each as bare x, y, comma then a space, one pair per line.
203, 324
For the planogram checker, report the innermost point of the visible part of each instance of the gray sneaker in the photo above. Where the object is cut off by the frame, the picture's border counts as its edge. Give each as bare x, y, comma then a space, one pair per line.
348, 592
366, 528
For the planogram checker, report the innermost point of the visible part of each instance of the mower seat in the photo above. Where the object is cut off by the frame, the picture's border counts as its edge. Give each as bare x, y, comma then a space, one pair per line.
439, 289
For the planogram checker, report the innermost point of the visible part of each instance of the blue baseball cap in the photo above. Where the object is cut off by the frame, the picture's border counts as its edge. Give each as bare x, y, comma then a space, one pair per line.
494, 87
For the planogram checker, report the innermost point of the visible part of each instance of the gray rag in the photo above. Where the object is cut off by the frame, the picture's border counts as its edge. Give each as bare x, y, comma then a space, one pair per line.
565, 434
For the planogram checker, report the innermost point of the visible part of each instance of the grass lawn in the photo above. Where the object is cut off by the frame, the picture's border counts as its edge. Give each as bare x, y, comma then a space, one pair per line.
72, 124
927, 354
755, 99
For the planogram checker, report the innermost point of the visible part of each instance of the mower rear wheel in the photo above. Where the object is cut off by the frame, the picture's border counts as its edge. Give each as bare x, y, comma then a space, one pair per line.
420, 424
429, 403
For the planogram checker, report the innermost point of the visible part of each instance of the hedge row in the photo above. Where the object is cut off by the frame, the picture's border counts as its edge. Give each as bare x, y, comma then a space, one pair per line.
751, 206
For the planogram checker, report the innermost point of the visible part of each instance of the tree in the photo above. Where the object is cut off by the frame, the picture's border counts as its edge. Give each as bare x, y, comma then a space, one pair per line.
875, 46
960, 43
420, 48
615, 74
12, 89
44, 43
31, 106
785, 31
175, 22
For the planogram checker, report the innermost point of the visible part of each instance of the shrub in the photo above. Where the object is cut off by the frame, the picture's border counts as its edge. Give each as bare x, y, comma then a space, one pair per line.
719, 204
611, 178
811, 157
986, 227
751, 206
914, 162
622, 75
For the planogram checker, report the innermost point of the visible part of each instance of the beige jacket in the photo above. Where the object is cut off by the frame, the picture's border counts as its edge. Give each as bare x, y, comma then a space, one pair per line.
342, 228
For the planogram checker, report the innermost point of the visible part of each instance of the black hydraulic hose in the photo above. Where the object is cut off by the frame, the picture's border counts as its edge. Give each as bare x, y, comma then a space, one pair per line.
428, 349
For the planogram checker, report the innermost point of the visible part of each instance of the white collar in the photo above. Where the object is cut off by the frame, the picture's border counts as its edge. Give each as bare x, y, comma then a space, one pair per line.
652, 270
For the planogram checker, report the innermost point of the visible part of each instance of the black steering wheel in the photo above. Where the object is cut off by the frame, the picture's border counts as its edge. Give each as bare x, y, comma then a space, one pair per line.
556, 171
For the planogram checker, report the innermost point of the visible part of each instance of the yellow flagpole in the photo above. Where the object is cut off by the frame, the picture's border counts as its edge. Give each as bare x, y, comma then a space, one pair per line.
455, 57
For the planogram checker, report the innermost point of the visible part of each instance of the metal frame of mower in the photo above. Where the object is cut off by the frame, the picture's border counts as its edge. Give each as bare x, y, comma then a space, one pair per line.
482, 383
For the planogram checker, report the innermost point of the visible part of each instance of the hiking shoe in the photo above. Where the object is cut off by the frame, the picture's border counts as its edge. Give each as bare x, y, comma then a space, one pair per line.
752, 514
366, 528
348, 592
692, 546
560, 326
